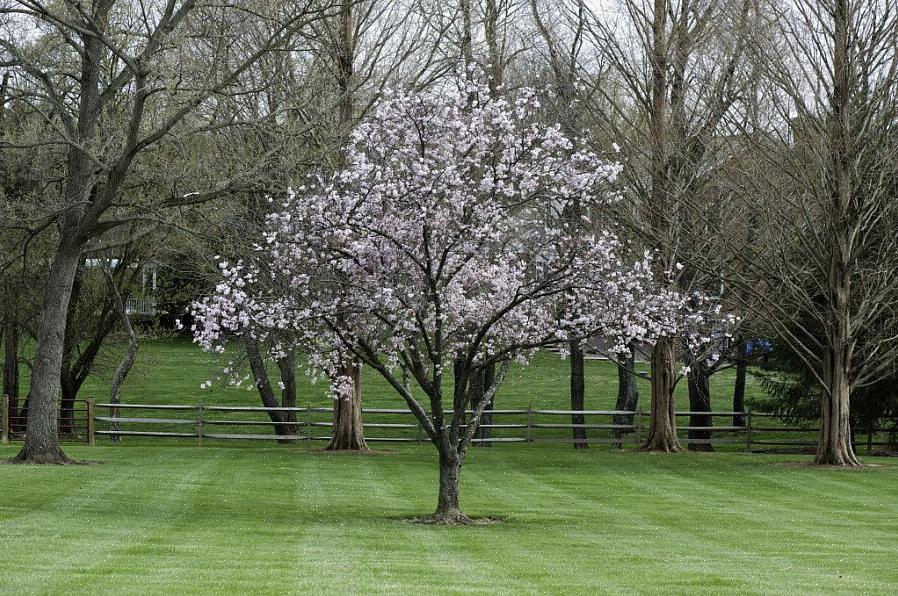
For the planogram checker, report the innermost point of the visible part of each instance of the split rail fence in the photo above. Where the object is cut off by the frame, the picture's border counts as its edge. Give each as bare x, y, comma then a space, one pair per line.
311, 424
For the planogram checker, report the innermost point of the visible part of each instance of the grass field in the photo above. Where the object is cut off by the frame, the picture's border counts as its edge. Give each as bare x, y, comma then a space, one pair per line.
170, 371
273, 520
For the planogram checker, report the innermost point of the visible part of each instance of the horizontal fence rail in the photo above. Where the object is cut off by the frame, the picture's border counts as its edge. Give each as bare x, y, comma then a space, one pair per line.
622, 428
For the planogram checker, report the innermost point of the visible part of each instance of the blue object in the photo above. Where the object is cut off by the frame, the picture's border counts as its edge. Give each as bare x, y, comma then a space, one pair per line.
762, 346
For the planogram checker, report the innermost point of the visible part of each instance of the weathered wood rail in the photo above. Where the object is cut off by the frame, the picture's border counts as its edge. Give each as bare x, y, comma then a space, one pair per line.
311, 424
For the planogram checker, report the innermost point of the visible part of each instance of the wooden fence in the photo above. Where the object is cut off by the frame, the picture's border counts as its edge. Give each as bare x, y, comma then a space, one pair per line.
201, 422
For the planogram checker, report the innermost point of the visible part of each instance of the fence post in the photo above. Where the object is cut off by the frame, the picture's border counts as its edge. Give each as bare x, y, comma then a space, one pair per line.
309, 425
530, 423
748, 430
90, 422
418, 430
4, 423
199, 424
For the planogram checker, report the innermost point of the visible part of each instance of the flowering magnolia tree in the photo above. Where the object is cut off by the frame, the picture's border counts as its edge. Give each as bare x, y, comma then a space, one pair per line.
441, 249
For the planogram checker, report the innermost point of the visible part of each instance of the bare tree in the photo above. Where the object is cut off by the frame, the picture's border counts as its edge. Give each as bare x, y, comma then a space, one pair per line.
132, 91
675, 72
822, 278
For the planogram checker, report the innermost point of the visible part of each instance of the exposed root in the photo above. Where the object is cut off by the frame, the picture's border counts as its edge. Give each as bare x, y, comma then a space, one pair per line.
662, 446
839, 456
53, 457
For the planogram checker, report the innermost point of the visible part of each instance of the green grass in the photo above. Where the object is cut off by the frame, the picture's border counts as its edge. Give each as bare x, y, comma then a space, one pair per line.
169, 371
282, 520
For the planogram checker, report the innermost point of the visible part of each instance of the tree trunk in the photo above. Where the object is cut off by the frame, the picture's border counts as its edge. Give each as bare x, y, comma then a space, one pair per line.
287, 368
662, 420
448, 510
11, 365
67, 373
67, 407
834, 447
42, 430
699, 401
627, 394
578, 395
263, 385
739, 387
483, 429
348, 432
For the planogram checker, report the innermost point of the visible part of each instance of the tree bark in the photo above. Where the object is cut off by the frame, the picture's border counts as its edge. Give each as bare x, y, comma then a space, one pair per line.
67, 374
627, 394
263, 385
699, 401
488, 377
287, 367
448, 510
662, 420
67, 404
578, 391
834, 446
42, 428
348, 432
11, 363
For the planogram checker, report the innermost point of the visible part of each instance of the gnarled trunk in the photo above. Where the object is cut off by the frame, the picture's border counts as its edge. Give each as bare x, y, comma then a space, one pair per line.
42, 440
578, 399
348, 432
699, 401
662, 420
627, 395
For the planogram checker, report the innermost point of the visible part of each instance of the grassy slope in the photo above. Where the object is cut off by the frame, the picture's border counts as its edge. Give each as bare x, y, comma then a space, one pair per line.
171, 372
251, 520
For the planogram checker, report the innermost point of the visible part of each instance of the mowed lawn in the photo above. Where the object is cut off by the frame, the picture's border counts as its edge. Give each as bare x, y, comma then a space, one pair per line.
171, 371
276, 519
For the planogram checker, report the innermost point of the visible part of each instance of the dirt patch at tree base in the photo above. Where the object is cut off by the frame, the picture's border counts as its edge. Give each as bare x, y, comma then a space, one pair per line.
345, 451
464, 520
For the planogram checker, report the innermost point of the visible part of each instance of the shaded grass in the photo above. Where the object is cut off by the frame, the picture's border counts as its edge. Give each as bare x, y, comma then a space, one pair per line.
171, 371
262, 520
